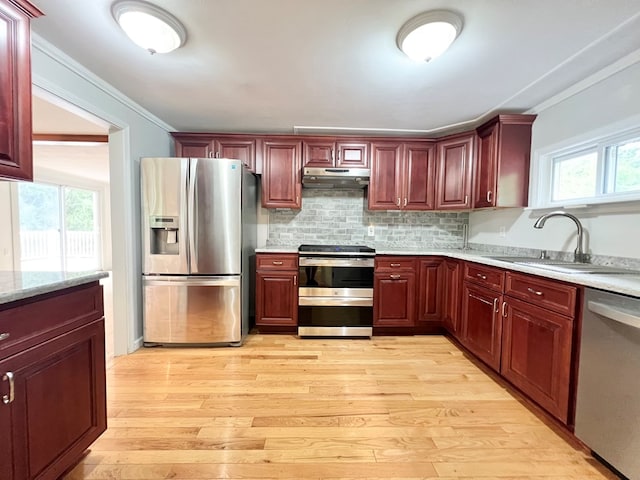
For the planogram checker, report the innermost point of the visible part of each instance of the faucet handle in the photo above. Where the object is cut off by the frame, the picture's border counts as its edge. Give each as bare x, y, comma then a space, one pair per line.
543, 254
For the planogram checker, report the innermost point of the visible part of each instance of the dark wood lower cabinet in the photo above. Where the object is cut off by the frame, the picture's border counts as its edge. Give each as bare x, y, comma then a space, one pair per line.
53, 388
394, 299
482, 323
276, 298
451, 281
536, 355
430, 289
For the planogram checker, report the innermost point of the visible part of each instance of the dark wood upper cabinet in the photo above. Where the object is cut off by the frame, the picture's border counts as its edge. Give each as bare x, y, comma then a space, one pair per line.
502, 168
402, 176
16, 158
419, 176
330, 152
199, 145
385, 183
281, 179
454, 170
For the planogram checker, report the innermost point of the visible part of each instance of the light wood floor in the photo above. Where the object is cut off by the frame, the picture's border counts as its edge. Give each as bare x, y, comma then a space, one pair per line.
284, 408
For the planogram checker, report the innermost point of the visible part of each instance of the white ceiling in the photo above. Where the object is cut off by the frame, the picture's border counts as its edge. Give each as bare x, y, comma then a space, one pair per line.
268, 66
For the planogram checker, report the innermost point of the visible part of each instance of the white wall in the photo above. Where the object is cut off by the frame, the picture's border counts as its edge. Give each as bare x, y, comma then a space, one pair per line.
611, 230
135, 133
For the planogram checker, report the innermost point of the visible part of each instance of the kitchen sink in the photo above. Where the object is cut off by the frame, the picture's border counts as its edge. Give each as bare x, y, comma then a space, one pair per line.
562, 266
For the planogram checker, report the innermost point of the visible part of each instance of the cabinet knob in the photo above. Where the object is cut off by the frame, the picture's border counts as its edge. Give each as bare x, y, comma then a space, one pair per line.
535, 292
405, 201
398, 202
479, 275
4, 336
277, 262
394, 277
489, 194
295, 280
495, 305
504, 309
6, 399
394, 264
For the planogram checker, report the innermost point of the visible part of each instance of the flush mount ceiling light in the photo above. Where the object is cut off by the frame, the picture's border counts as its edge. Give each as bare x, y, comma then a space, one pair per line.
428, 35
148, 26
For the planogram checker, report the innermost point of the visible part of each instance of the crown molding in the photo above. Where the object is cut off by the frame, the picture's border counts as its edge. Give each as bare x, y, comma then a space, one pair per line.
65, 61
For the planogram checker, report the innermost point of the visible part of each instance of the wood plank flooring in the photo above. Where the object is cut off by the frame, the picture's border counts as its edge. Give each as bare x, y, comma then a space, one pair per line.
287, 408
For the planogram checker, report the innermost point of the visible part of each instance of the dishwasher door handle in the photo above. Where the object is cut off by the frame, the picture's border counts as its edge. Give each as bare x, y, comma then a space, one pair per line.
619, 316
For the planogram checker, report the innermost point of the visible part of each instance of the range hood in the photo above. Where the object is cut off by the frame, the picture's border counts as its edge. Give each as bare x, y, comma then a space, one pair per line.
335, 177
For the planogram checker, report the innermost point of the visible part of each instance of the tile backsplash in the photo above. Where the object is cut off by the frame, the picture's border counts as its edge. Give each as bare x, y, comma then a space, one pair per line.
341, 217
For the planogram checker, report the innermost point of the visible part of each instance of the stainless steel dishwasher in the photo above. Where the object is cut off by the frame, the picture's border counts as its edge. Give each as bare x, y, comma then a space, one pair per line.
608, 396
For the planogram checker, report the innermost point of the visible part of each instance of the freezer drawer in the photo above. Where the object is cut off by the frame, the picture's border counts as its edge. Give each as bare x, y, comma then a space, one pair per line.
192, 310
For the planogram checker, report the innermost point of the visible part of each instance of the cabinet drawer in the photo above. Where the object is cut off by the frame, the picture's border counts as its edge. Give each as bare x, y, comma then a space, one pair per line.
550, 294
395, 264
277, 261
26, 323
482, 275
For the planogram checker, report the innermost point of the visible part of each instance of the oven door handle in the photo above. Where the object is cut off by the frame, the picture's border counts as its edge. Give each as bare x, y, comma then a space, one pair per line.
335, 302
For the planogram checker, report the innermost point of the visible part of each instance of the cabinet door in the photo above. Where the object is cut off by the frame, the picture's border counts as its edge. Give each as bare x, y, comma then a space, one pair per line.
453, 189
318, 153
281, 182
352, 154
482, 323
429, 290
451, 282
385, 184
195, 147
16, 158
394, 299
536, 355
59, 407
486, 167
277, 298
239, 149
419, 177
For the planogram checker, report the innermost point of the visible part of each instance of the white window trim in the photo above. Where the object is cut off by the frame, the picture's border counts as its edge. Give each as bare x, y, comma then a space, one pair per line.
541, 172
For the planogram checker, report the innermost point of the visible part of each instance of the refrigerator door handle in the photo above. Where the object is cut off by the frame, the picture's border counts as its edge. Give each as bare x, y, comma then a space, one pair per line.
233, 281
192, 212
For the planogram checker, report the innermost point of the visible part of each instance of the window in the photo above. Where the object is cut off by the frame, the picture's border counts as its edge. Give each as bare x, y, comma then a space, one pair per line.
606, 170
58, 228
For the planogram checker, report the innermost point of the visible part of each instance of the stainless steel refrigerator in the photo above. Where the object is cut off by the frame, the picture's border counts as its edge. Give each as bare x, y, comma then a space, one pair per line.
199, 238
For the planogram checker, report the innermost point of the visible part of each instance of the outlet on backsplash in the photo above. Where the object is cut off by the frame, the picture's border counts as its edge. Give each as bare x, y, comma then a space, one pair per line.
371, 231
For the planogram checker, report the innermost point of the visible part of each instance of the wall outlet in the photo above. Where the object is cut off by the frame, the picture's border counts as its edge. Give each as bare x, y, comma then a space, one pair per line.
371, 231
503, 232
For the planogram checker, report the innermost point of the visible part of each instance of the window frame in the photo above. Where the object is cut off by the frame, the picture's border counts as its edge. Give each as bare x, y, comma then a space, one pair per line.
56, 179
542, 175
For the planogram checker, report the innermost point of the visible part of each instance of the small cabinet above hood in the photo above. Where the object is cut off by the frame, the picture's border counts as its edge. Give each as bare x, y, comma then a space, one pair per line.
344, 178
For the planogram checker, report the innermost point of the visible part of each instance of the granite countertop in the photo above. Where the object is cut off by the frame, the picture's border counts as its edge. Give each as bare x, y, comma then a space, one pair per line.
628, 284
16, 285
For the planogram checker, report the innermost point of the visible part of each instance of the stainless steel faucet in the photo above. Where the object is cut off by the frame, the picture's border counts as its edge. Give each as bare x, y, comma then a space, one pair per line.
578, 255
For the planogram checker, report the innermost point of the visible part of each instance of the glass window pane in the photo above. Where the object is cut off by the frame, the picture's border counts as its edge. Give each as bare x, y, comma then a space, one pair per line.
39, 216
81, 232
626, 161
575, 176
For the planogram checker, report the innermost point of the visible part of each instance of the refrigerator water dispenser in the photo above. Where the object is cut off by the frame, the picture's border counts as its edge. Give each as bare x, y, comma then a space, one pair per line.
164, 236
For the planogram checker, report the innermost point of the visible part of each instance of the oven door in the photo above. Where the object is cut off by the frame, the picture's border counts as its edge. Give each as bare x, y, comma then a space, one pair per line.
341, 273
336, 315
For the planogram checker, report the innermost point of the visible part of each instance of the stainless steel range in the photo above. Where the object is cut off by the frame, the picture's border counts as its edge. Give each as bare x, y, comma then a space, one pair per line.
335, 292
